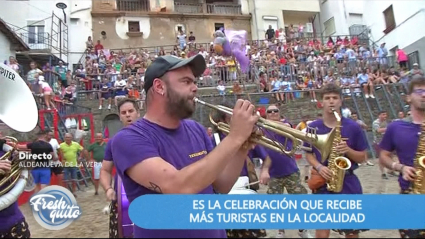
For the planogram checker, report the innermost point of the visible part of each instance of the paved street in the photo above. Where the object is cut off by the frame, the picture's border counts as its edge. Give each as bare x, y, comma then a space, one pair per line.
94, 224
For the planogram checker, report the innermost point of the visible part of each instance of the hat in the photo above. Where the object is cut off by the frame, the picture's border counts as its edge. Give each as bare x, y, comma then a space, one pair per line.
163, 64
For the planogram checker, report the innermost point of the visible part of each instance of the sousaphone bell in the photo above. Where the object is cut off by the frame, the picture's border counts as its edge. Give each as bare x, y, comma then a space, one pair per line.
18, 110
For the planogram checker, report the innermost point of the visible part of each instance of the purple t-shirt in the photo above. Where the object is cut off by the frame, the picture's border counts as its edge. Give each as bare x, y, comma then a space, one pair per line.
257, 152
180, 147
404, 144
282, 164
356, 140
9, 216
108, 157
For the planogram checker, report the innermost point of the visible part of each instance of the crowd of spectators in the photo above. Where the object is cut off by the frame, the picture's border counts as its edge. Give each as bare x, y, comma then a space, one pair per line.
284, 65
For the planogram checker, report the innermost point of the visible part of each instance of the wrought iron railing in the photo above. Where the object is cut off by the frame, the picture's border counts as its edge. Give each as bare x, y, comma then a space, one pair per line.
225, 9
37, 41
188, 7
133, 5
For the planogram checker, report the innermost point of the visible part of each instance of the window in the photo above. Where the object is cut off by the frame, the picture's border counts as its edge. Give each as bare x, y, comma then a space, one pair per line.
389, 19
329, 27
133, 26
218, 26
36, 34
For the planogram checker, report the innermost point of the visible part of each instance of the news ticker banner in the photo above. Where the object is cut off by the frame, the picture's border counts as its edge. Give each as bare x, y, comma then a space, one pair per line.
278, 211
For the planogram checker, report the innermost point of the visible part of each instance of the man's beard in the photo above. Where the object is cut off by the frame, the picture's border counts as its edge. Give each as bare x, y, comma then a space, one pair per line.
179, 106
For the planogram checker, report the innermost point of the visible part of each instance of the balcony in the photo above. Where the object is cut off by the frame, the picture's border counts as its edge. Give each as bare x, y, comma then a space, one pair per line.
188, 7
224, 9
133, 6
218, 9
39, 41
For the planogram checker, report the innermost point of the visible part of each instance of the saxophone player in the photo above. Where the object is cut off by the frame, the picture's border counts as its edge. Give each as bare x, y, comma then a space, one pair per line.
407, 139
353, 147
12, 221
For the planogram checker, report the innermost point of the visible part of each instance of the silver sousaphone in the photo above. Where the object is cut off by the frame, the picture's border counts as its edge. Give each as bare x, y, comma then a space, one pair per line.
18, 110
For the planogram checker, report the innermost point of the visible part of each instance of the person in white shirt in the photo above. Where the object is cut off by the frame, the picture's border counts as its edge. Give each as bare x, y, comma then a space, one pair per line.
57, 169
221, 88
32, 76
120, 89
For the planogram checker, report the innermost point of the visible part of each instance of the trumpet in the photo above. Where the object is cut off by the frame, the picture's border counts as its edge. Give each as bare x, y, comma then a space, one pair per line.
323, 143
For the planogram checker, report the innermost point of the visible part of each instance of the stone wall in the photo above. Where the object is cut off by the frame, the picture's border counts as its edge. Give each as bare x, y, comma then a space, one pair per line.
293, 111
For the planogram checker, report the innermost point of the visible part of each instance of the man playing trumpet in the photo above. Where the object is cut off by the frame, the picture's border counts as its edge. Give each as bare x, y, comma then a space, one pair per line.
166, 153
354, 148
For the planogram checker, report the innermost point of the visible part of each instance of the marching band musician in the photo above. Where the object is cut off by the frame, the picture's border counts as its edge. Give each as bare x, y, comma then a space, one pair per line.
403, 138
354, 149
279, 170
129, 112
248, 170
166, 153
13, 223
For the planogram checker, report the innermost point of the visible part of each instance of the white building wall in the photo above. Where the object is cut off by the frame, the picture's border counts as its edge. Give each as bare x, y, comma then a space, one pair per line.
274, 10
409, 18
5, 51
80, 28
341, 11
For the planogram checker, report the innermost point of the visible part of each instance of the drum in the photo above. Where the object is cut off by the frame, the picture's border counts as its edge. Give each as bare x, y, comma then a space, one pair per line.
125, 226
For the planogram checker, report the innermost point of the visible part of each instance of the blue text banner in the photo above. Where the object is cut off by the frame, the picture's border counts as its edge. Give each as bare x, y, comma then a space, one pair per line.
279, 211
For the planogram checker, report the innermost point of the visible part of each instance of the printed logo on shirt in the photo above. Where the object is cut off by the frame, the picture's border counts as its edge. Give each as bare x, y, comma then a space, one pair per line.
55, 207
203, 152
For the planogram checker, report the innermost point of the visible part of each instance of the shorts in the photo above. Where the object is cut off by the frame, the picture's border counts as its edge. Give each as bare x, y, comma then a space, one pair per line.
340, 61
70, 170
105, 96
120, 96
57, 170
292, 184
96, 170
47, 91
362, 84
41, 175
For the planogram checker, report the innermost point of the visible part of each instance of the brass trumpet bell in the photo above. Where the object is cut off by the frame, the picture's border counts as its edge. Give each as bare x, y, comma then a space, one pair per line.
323, 143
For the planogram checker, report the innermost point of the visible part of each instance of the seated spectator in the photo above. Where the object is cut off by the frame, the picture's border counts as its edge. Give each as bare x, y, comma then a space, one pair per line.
221, 88
416, 71
89, 44
120, 90
69, 95
237, 89
365, 83
105, 93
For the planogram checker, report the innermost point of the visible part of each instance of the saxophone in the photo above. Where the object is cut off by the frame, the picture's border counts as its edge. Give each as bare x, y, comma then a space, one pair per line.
419, 164
337, 163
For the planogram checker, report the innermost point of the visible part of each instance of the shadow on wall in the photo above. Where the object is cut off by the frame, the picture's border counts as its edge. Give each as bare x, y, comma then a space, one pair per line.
111, 125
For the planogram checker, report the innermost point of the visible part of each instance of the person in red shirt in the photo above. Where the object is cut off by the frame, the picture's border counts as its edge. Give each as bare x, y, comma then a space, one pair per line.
98, 47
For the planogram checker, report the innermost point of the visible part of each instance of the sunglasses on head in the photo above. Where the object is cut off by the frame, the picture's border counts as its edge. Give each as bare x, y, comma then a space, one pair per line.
272, 111
419, 91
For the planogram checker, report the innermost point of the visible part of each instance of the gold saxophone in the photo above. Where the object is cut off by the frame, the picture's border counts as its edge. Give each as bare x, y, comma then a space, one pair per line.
419, 164
337, 163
